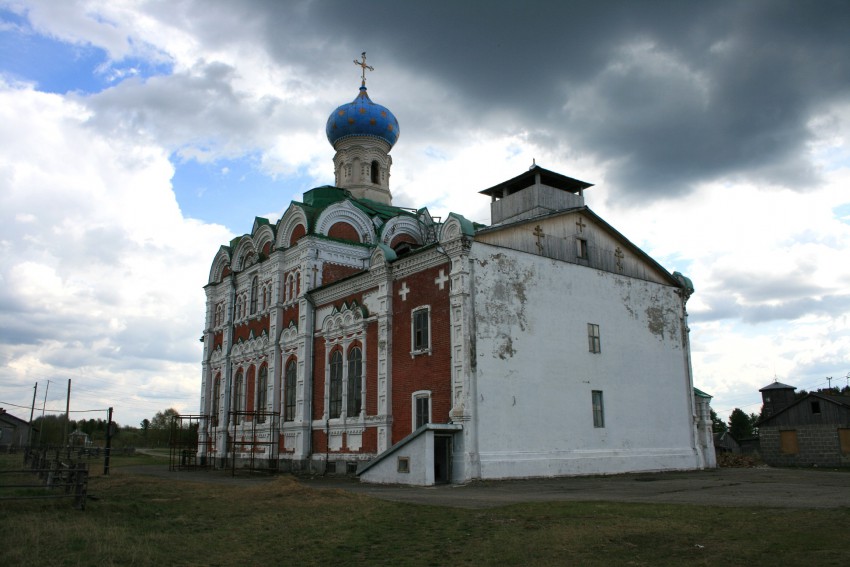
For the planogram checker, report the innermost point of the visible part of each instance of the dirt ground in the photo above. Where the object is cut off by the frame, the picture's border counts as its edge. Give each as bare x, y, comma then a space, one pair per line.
762, 486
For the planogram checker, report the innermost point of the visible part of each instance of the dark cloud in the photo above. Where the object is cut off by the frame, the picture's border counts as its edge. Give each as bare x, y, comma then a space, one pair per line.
715, 90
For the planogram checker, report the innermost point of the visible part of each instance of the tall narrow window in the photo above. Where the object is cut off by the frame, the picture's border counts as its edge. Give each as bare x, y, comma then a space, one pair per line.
375, 172
289, 391
262, 383
335, 393
238, 397
420, 329
355, 381
216, 393
598, 409
254, 290
421, 409
593, 342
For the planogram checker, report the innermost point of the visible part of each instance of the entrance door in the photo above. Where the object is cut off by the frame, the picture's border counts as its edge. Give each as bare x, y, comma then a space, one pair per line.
442, 459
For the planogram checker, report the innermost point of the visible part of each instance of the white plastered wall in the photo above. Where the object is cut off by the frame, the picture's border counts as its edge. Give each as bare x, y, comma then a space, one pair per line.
535, 373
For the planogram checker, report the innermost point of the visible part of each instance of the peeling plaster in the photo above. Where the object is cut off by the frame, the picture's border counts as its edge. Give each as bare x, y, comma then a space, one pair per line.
505, 306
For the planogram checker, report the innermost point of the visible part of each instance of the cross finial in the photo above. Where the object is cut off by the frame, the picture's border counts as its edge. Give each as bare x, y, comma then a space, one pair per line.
363, 66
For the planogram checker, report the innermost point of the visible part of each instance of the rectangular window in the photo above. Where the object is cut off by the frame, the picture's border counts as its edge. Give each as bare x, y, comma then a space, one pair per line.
581, 248
593, 342
788, 442
262, 385
815, 407
289, 379
844, 440
598, 409
403, 465
421, 334
423, 411
335, 397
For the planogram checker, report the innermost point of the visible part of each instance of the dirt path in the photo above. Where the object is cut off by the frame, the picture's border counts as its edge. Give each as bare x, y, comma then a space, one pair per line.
764, 486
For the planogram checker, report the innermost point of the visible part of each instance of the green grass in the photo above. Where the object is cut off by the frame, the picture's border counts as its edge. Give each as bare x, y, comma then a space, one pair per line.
139, 520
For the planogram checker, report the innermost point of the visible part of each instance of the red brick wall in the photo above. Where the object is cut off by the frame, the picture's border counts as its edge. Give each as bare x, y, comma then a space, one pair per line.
243, 330
320, 444
297, 233
344, 231
370, 440
290, 314
333, 272
218, 339
402, 238
422, 372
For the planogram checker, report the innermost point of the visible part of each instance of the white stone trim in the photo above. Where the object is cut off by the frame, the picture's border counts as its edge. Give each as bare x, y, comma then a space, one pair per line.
402, 225
293, 216
344, 211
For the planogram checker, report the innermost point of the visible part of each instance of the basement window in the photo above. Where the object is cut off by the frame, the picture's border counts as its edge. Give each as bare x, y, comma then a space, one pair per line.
404, 464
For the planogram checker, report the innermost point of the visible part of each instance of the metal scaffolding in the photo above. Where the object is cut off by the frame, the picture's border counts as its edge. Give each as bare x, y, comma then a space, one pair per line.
256, 448
186, 450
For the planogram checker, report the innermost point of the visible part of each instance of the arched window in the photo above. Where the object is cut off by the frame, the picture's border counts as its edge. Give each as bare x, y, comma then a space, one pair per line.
262, 383
254, 293
216, 404
335, 391
355, 381
238, 397
289, 378
375, 172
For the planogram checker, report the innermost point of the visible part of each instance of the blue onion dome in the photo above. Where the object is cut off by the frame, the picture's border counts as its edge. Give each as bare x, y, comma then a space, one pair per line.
362, 117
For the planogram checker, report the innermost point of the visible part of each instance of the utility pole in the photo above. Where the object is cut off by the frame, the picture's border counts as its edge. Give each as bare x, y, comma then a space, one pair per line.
32, 411
829, 381
67, 414
108, 442
44, 403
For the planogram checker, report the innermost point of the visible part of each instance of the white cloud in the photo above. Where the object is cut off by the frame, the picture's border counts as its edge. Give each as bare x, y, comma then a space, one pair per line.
101, 274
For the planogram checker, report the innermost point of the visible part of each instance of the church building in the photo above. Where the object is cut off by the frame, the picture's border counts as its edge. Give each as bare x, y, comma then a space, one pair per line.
357, 336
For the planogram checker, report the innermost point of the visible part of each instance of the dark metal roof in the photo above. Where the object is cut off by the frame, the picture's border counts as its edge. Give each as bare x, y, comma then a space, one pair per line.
777, 386
526, 179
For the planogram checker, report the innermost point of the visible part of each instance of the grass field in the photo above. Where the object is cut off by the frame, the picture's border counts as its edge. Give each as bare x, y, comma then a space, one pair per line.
140, 520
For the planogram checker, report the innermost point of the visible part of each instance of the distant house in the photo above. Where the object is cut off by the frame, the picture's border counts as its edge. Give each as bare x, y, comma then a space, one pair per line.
811, 431
14, 432
725, 443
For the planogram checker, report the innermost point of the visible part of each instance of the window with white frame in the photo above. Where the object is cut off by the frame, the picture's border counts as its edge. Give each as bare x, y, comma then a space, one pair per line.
421, 408
593, 341
238, 396
420, 330
254, 294
289, 378
216, 393
335, 385
355, 382
262, 384
598, 408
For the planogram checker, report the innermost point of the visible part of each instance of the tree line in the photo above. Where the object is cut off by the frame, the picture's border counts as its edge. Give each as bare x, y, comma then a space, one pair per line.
55, 430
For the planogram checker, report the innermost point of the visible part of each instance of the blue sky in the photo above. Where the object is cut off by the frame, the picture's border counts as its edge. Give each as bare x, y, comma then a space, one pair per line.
138, 137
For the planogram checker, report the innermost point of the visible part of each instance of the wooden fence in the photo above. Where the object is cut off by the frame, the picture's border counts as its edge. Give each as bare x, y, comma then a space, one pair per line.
58, 473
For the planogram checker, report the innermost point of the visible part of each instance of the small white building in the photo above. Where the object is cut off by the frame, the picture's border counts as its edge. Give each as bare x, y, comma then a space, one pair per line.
357, 336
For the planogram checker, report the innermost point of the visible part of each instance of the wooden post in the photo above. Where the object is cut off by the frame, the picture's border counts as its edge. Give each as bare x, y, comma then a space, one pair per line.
108, 443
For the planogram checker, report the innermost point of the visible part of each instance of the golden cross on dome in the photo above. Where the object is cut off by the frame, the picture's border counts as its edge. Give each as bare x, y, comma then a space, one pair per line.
362, 65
